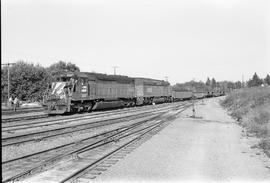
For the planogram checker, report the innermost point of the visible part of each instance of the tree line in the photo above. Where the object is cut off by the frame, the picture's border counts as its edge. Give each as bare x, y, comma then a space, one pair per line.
30, 81
213, 85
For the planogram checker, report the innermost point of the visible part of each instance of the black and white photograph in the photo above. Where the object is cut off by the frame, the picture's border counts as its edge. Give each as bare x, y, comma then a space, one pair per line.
135, 91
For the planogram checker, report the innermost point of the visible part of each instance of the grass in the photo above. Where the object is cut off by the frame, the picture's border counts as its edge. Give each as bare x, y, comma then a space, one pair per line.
251, 107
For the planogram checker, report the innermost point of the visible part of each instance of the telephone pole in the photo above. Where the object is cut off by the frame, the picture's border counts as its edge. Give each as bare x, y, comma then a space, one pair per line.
243, 84
8, 64
166, 78
114, 69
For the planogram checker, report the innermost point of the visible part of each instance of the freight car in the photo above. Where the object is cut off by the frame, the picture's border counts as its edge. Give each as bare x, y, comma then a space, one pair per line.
150, 91
199, 95
179, 95
218, 93
82, 91
209, 94
187, 95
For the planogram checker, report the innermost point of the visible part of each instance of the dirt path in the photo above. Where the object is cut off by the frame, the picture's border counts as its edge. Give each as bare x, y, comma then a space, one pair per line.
210, 148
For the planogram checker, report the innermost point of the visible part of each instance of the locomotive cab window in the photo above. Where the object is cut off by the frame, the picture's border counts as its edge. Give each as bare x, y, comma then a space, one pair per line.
84, 82
63, 79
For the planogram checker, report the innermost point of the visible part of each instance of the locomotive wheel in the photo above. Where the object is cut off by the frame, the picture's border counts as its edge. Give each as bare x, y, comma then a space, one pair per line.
80, 109
89, 109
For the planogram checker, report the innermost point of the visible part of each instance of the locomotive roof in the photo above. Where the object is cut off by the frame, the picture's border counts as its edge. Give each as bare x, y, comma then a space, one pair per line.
116, 78
73, 74
105, 77
154, 81
180, 90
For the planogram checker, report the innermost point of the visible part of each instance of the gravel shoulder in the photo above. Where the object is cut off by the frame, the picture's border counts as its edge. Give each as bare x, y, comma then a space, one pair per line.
211, 147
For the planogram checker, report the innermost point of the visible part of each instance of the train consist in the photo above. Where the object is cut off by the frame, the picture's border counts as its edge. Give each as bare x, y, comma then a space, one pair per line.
83, 91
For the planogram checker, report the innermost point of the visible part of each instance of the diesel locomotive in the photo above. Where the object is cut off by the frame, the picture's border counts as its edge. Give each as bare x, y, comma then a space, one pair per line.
83, 91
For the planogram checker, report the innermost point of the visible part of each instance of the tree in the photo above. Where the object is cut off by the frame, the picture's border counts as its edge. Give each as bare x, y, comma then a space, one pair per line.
208, 82
27, 81
61, 66
230, 85
255, 81
3, 77
191, 86
267, 80
213, 83
238, 84
218, 84
4, 85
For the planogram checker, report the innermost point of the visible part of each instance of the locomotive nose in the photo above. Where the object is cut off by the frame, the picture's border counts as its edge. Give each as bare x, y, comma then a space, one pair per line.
58, 89
56, 103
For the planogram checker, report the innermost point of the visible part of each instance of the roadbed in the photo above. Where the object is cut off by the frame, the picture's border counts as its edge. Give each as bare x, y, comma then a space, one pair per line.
209, 147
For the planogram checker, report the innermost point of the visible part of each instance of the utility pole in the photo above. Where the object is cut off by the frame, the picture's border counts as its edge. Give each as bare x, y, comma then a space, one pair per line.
243, 85
166, 78
8, 64
114, 69
193, 105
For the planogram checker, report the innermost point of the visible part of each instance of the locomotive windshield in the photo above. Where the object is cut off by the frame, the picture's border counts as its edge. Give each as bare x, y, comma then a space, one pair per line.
63, 79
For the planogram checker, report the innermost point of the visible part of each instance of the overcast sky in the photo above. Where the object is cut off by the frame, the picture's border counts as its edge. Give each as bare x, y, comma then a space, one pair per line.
184, 40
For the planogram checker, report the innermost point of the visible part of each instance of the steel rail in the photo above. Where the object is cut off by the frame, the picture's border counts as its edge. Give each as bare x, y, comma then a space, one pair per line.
61, 156
78, 173
56, 121
21, 110
95, 113
6, 140
72, 143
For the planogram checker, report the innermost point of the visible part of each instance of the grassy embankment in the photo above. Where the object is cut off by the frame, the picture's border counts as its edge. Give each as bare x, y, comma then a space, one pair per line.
251, 107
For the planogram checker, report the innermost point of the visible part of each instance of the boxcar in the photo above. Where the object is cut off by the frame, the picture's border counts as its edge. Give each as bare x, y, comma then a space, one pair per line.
148, 91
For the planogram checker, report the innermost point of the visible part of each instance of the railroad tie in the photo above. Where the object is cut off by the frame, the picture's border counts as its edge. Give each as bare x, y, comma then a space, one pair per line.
112, 161
83, 179
118, 157
100, 169
105, 165
89, 176
94, 172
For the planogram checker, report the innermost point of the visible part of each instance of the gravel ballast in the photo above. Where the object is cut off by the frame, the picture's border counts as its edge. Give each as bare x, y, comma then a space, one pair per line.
211, 147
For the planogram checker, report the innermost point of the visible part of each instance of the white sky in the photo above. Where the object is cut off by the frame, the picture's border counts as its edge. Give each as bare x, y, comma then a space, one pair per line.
184, 40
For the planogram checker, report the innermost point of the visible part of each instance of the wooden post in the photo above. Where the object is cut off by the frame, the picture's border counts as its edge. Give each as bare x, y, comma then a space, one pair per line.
193, 106
8, 79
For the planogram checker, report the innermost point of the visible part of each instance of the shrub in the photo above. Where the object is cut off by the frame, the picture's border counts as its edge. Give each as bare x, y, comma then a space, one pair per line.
251, 106
257, 120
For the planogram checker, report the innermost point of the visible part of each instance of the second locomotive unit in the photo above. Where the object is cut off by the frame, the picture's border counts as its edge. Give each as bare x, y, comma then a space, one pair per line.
82, 91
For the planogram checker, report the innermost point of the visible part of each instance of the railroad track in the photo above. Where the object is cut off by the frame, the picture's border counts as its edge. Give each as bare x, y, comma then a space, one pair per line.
76, 127
45, 134
27, 117
10, 126
30, 164
21, 110
40, 116
91, 170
